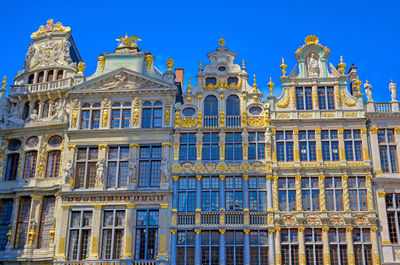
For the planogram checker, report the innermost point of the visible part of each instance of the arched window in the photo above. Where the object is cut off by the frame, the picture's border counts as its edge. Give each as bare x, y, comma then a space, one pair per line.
31, 78
36, 107
25, 114
50, 75
90, 116
152, 115
53, 164
46, 108
121, 115
233, 106
211, 106
40, 77
60, 74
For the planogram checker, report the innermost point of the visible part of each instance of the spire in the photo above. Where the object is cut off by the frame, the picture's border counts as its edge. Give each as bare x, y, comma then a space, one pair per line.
254, 84
189, 87
271, 86
283, 66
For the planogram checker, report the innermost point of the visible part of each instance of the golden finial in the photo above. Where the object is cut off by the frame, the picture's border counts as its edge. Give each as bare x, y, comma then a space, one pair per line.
271, 85
311, 40
341, 65
4, 83
221, 41
254, 84
283, 66
128, 41
189, 88
81, 67
243, 65
200, 66
170, 64
358, 84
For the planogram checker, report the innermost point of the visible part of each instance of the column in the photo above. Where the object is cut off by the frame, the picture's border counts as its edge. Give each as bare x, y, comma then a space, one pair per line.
342, 154
278, 255
245, 145
350, 249
337, 95
370, 194
222, 258
222, 192
346, 199
382, 216
302, 250
173, 246
197, 256
163, 232
175, 193
319, 144
14, 217
315, 97
61, 243
199, 145
269, 193
325, 240
275, 192
246, 193
40, 112
36, 209
322, 194
129, 224
198, 193
299, 197
246, 246
296, 149
271, 246
375, 248
94, 250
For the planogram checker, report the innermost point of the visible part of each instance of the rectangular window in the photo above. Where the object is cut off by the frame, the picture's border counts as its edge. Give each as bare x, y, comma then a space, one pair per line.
6, 209
80, 229
234, 247
233, 146
330, 145
307, 146
362, 246
388, 150
85, 119
21, 232
259, 247
53, 164
112, 234
187, 194
150, 166
146, 234
393, 216
353, 145
287, 194
326, 99
310, 191
284, 146
185, 250
256, 146
304, 98
210, 194
117, 170
46, 221
187, 149
289, 246
314, 246
95, 119
30, 164
234, 193
85, 169
115, 118
357, 193
338, 246
210, 146
12, 166
334, 193
209, 247
257, 194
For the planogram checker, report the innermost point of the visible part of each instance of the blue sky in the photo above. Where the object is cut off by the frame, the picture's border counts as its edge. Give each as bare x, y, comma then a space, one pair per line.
366, 33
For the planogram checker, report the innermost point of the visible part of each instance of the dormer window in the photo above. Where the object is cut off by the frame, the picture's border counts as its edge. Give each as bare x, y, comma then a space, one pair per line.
232, 80
222, 68
211, 80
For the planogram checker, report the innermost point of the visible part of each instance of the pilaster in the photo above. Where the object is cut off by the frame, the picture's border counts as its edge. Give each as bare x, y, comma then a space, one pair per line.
322, 192
325, 241
128, 231
350, 248
95, 239
302, 250
299, 199
275, 192
375, 246
278, 255
296, 149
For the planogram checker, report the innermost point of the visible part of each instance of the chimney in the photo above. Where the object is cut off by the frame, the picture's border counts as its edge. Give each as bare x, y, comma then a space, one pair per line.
179, 75
353, 76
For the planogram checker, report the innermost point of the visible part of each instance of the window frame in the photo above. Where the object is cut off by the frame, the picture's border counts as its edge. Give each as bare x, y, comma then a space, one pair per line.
121, 119
187, 146
53, 164
315, 245
312, 201
352, 143
93, 110
328, 144
150, 179
288, 192
47, 221
338, 244
261, 194
153, 108
326, 98
113, 228
208, 248
146, 227
233, 146
236, 201
287, 146
120, 162
304, 100
308, 145
87, 161
259, 146
292, 246
30, 164
80, 236
211, 146
208, 194
184, 192
338, 204
387, 163
236, 246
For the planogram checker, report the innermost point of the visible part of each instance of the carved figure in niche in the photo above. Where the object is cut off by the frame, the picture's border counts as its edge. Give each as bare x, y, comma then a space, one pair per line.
368, 88
34, 116
69, 172
312, 64
132, 170
164, 170
268, 136
59, 111
100, 171
393, 90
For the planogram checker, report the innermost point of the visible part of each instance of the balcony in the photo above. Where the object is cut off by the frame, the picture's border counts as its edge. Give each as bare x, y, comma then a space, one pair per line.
229, 218
41, 87
233, 121
109, 262
210, 122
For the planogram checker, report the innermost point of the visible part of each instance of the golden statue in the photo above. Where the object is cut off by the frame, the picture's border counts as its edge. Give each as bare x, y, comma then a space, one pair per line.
128, 41
170, 64
81, 67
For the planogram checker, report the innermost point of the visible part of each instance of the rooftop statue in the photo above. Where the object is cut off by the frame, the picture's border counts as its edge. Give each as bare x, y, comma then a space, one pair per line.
393, 90
128, 41
368, 88
51, 27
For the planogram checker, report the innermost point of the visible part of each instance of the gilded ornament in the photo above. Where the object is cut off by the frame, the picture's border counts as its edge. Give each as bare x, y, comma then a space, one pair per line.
105, 118
311, 40
285, 101
243, 65
254, 83
81, 67
189, 122
345, 100
51, 27
102, 63
256, 121
149, 61
271, 85
341, 66
128, 41
4, 83
167, 115
170, 64
283, 66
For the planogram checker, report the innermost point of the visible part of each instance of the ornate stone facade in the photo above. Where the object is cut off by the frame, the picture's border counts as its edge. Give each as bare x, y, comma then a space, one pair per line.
121, 167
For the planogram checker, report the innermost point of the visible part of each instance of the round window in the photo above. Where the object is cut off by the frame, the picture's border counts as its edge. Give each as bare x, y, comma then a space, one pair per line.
14, 145
222, 68
255, 110
55, 140
32, 141
189, 111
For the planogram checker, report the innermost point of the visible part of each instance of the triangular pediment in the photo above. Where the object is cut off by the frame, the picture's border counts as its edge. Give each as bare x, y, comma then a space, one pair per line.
121, 79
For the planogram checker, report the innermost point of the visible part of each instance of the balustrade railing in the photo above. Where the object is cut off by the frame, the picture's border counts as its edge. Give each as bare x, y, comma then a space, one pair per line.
234, 218
258, 218
210, 122
383, 107
210, 218
186, 218
108, 262
41, 87
233, 121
